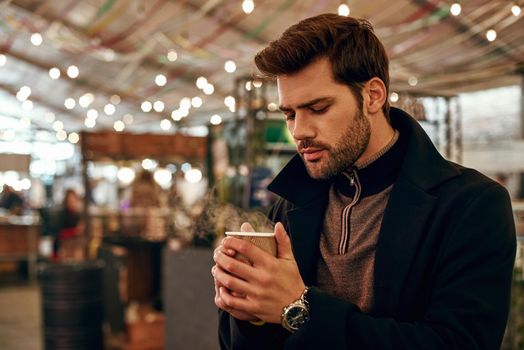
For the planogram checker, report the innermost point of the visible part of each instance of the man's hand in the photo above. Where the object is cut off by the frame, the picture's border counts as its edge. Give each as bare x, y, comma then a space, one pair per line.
263, 288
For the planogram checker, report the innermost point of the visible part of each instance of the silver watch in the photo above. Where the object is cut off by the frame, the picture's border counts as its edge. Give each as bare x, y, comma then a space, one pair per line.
296, 314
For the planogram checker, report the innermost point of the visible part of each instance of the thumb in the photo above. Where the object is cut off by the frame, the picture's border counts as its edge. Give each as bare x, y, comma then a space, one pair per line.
246, 227
284, 250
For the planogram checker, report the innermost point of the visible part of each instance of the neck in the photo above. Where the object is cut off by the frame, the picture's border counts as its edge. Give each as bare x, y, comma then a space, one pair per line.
381, 134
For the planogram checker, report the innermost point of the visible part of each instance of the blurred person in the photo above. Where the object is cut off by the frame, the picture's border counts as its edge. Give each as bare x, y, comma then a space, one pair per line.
382, 243
70, 241
11, 200
145, 191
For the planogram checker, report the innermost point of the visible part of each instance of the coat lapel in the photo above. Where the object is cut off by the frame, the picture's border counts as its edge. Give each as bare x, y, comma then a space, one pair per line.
402, 229
305, 226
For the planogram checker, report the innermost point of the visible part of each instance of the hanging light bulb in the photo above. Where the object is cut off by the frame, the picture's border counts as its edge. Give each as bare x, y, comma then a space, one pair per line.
201, 82
115, 99
90, 122
158, 106
109, 109
119, 126
515, 9
73, 72
230, 66
455, 9
248, 6
165, 124
92, 113
172, 55
3, 60
491, 35
54, 73
146, 106
412, 81
160, 80
36, 39
196, 102
215, 119
73, 137
70, 103
209, 89
394, 97
343, 10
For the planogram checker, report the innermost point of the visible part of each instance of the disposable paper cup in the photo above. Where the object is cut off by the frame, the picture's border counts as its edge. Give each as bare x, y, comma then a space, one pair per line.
264, 240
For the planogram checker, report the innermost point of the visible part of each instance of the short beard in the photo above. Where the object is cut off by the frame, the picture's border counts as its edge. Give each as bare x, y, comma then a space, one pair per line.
348, 149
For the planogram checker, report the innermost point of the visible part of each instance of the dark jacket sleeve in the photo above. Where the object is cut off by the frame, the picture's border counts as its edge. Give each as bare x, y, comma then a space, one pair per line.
467, 307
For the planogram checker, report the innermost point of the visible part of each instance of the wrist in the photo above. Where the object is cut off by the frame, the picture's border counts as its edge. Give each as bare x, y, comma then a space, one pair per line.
296, 314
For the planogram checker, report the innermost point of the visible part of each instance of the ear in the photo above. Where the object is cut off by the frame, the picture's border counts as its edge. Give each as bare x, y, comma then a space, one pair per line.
374, 95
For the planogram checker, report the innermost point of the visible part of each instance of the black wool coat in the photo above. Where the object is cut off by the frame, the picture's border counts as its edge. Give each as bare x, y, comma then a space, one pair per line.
443, 265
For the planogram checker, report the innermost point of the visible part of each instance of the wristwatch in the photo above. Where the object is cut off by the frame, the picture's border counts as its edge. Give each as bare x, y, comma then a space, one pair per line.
296, 314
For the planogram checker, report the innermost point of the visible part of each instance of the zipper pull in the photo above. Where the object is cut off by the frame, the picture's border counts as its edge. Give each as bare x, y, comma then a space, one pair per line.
352, 179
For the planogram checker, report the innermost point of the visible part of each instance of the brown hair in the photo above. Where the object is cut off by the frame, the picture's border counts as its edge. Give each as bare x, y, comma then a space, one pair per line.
350, 44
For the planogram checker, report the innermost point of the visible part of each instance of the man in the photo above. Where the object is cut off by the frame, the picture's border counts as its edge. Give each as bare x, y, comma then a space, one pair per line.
390, 246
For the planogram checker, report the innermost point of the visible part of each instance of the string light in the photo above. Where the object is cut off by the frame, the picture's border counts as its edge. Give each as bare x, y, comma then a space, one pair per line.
215, 119
176, 115
209, 89
230, 66
146, 106
343, 10
92, 114
36, 39
184, 112
61, 135
455, 9
272, 106
3, 60
24, 93
160, 80
412, 81
393, 97
73, 138
257, 83
158, 106
73, 72
515, 9
54, 73
115, 99
248, 6
119, 126
86, 99
229, 101
185, 103
109, 109
172, 55
90, 122
248, 86
165, 124
58, 125
491, 35
69, 103
201, 82
196, 102
128, 118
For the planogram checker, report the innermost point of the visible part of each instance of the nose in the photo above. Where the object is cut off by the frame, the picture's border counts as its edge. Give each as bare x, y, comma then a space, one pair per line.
302, 128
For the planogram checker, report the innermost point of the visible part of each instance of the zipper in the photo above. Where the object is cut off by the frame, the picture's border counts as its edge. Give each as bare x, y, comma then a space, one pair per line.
344, 238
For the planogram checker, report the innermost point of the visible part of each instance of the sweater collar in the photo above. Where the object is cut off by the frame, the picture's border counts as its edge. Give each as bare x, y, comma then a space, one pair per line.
419, 162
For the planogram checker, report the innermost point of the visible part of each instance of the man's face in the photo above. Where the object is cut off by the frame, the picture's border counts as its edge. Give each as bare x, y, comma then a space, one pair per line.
328, 126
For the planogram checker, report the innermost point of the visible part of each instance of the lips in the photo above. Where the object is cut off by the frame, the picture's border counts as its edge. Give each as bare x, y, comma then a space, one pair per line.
312, 154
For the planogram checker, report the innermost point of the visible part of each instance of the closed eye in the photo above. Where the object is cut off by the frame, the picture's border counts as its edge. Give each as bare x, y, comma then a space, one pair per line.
319, 110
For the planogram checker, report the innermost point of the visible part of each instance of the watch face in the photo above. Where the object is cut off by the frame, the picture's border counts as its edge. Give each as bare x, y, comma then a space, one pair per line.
296, 316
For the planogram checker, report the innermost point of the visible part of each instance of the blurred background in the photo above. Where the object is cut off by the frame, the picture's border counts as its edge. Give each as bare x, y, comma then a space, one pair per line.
133, 134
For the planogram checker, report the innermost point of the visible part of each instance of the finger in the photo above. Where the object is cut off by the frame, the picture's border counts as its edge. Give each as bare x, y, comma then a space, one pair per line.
240, 315
284, 250
232, 283
246, 227
222, 249
254, 254
234, 266
236, 303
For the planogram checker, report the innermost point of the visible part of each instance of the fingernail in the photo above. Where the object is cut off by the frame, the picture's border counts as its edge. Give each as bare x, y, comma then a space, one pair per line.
230, 252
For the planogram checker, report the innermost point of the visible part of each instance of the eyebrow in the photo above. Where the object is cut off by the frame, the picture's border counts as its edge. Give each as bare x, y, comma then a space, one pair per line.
307, 104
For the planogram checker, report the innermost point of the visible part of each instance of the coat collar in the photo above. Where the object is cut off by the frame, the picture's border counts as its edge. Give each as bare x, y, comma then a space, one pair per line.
422, 165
